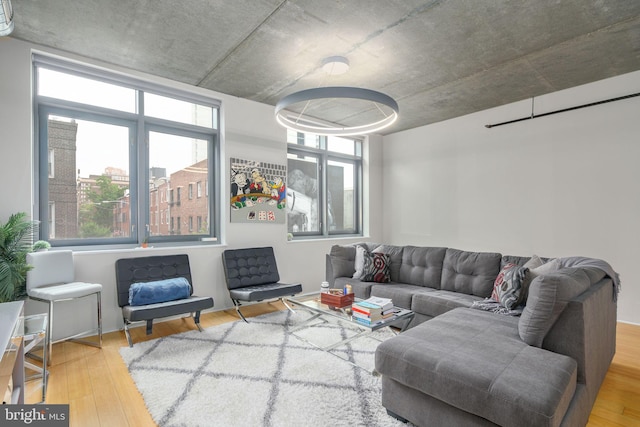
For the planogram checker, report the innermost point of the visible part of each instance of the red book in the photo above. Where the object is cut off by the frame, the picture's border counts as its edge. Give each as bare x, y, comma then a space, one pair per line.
357, 309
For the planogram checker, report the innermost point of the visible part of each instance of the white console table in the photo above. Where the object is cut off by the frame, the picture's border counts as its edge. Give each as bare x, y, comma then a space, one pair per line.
12, 347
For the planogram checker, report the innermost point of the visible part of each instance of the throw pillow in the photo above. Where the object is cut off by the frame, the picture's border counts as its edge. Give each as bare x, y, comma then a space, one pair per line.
376, 268
546, 268
537, 267
145, 293
359, 262
515, 286
507, 288
395, 259
548, 296
534, 262
341, 267
512, 283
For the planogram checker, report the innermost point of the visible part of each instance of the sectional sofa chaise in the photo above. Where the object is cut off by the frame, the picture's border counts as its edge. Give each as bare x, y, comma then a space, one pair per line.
467, 360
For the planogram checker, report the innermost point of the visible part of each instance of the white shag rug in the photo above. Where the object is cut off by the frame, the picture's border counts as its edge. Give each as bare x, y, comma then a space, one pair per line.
259, 374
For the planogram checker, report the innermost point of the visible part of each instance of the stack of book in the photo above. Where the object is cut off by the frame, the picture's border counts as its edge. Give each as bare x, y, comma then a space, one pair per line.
372, 310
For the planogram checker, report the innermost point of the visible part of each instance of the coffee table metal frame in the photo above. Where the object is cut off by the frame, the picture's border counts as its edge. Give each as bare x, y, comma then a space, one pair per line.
311, 303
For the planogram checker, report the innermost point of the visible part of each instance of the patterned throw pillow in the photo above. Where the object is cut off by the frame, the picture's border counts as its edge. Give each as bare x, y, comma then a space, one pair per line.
376, 268
508, 286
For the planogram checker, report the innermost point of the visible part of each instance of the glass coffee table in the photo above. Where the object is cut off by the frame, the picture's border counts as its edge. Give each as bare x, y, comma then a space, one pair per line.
320, 313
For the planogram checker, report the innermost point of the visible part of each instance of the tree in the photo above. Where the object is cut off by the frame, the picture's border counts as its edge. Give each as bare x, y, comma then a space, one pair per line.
96, 216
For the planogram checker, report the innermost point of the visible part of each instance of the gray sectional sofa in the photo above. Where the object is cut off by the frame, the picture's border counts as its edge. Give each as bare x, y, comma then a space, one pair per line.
540, 364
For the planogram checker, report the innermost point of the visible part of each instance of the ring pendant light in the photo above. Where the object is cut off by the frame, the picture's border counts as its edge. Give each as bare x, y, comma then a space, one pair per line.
295, 122
335, 65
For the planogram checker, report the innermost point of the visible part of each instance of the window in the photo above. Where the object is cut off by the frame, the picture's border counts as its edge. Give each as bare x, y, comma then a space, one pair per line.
324, 185
123, 151
51, 215
52, 169
199, 189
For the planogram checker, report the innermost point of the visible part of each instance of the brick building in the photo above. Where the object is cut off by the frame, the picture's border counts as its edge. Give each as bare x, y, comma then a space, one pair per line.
188, 200
178, 205
63, 201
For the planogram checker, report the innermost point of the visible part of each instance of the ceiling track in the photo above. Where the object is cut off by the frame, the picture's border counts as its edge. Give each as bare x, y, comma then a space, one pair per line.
564, 110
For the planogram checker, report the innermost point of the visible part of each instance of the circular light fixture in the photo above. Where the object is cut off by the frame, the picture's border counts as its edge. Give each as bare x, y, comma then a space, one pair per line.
298, 123
335, 65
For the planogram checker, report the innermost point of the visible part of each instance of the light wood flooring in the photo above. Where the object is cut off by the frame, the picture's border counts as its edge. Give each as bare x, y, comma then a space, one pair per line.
100, 392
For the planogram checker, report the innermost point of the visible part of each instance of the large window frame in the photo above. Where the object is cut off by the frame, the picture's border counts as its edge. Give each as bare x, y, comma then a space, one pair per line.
140, 126
319, 151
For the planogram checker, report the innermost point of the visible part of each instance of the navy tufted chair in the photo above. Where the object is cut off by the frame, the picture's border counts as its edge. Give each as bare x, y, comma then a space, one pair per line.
252, 275
150, 269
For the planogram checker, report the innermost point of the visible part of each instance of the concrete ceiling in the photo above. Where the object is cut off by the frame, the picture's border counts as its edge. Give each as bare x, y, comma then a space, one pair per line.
438, 59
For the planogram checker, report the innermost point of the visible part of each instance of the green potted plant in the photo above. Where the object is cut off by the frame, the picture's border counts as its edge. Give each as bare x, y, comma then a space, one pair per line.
41, 245
16, 239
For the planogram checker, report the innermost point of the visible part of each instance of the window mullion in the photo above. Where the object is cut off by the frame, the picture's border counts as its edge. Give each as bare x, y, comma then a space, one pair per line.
320, 158
339, 184
141, 165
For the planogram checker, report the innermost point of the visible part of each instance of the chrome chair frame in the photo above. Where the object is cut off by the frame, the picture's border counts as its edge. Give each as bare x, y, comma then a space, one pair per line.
252, 276
75, 337
62, 278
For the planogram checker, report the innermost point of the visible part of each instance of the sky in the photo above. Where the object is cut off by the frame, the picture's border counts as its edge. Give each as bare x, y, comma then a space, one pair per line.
101, 145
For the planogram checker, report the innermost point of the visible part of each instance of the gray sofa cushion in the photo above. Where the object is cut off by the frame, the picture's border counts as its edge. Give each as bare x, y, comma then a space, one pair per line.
422, 266
437, 302
471, 273
361, 289
342, 260
475, 361
548, 296
400, 293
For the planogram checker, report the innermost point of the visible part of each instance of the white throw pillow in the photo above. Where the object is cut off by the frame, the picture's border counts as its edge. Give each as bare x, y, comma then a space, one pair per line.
534, 262
359, 262
546, 268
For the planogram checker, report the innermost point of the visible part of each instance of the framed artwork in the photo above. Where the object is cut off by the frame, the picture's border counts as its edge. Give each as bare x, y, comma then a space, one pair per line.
258, 191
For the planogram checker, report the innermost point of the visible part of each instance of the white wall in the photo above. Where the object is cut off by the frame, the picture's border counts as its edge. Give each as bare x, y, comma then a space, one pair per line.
250, 131
557, 186
562, 185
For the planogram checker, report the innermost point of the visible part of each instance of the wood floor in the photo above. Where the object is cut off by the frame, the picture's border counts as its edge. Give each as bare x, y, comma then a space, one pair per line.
100, 392
618, 402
